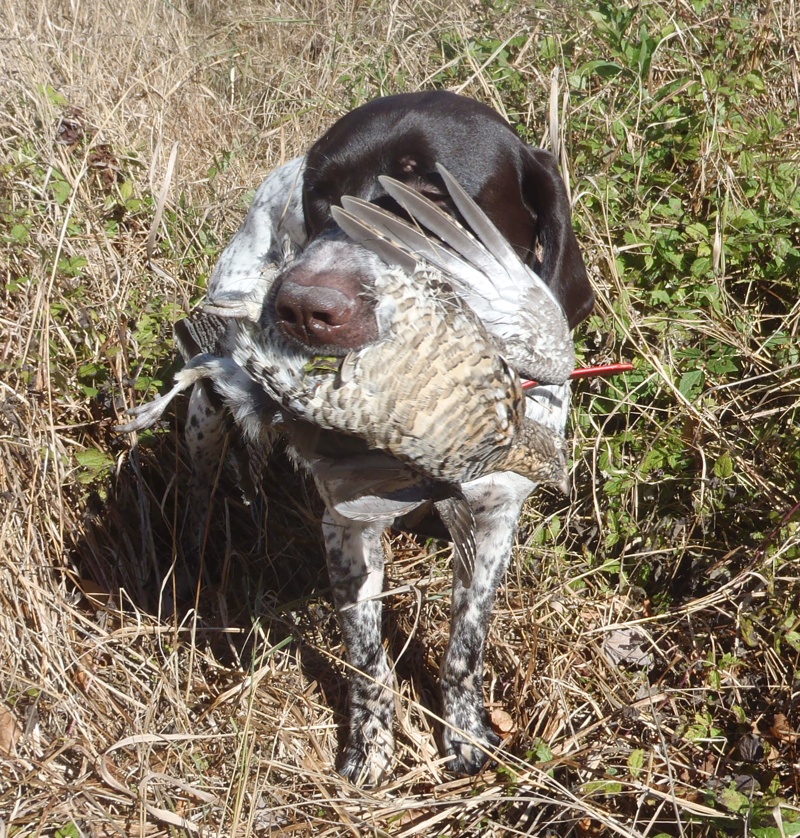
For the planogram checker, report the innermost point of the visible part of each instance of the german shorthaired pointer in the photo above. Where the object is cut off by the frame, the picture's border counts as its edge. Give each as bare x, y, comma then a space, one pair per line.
292, 270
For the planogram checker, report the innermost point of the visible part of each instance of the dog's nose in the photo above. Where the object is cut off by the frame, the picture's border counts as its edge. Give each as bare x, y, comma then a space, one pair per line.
325, 311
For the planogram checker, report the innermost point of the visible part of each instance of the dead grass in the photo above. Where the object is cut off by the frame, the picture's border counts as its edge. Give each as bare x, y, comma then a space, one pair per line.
129, 709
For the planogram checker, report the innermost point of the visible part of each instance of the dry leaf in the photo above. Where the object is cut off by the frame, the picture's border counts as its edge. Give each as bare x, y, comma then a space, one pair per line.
782, 730
83, 679
629, 646
10, 732
502, 722
590, 827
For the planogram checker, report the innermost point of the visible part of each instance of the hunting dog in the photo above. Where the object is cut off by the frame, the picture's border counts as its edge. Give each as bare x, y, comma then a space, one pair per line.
291, 264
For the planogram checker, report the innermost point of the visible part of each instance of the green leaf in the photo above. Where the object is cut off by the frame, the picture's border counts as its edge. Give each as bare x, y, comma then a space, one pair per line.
604, 69
91, 368
701, 266
733, 801
660, 296
722, 365
53, 95
723, 468
20, 233
61, 190
653, 460
636, 762
697, 231
72, 265
793, 639
95, 464
691, 384
748, 632
94, 458
541, 751
603, 787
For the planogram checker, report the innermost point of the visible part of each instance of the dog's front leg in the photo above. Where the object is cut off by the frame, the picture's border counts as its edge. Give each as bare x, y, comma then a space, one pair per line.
206, 430
355, 566
467, 737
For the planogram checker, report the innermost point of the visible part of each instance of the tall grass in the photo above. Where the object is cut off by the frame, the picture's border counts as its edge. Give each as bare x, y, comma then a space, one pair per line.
138, 700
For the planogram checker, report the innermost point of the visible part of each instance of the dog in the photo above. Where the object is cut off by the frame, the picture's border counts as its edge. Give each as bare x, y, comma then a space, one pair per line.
291, 267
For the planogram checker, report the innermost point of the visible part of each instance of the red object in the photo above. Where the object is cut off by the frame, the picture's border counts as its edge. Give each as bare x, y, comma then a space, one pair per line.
588, 372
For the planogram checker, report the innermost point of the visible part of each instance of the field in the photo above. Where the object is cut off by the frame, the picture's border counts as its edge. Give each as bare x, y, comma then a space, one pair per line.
643, 656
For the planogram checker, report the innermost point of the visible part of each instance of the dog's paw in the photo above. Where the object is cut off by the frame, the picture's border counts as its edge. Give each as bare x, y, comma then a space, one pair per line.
367, 762
469, 749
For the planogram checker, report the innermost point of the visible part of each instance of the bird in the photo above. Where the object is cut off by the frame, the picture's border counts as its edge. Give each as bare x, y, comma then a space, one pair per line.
518, 309
436, 401
432, 390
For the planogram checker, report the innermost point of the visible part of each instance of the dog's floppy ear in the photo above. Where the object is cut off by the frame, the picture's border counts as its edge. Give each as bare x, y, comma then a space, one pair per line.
559, 261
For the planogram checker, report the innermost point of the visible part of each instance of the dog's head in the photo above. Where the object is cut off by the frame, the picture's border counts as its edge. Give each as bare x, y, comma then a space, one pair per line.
404, 136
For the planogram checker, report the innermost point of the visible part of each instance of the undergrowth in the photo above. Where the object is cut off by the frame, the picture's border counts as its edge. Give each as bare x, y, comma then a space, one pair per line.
643, 652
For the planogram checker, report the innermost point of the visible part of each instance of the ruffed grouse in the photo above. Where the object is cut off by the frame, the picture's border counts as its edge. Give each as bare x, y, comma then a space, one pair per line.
459, 315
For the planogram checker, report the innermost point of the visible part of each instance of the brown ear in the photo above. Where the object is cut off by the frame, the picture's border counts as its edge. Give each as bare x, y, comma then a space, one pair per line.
561, 265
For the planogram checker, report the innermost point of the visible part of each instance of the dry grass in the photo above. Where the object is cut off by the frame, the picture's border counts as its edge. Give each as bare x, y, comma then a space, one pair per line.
128, 709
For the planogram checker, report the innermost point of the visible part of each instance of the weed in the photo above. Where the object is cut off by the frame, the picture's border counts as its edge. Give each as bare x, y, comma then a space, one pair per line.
137, 702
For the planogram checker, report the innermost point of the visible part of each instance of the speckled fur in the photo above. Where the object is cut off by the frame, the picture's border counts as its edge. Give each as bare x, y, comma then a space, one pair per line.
355, 555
